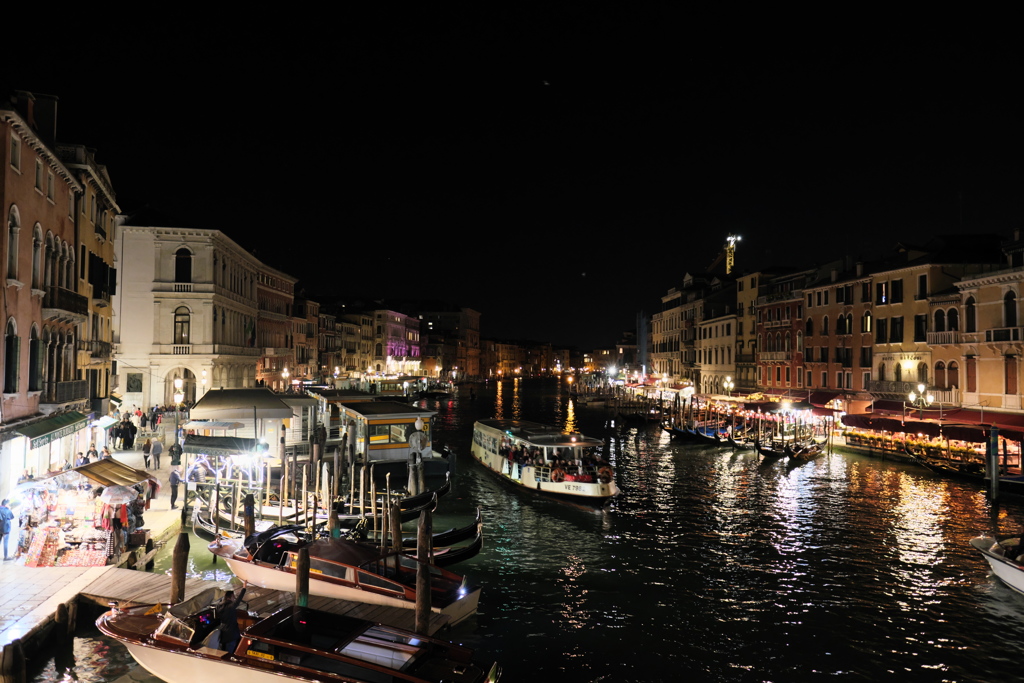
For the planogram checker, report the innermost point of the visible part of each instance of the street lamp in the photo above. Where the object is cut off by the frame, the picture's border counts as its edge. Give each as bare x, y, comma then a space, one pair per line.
284, 376
920, 399
729, 384
179, 396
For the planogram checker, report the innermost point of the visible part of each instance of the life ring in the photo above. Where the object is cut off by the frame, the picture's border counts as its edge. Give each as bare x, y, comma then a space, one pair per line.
605, 474
558, 475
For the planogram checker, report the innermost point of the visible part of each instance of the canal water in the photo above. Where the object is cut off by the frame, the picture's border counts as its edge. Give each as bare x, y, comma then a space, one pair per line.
710, 566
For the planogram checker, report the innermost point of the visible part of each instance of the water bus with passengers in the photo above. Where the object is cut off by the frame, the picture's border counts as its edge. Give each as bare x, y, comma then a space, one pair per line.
546, 460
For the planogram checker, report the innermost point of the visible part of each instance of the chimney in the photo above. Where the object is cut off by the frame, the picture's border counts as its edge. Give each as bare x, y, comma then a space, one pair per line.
860, 268
40, 112
46, 118
835, 275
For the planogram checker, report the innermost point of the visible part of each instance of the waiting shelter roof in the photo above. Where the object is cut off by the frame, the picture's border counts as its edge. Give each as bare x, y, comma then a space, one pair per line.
240, 404
218, 445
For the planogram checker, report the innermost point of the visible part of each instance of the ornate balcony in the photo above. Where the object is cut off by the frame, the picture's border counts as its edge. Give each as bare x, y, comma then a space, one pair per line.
775, 356
64, 392
64, 305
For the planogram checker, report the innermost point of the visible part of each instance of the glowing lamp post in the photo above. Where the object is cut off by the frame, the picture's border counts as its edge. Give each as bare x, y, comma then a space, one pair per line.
921, 400
179, 396
284, 376
729, 384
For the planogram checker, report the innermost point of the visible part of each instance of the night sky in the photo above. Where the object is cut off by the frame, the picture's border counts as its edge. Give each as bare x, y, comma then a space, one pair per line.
557, 172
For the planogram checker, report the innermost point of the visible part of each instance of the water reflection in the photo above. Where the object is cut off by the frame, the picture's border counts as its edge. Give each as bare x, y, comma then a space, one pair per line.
714, 565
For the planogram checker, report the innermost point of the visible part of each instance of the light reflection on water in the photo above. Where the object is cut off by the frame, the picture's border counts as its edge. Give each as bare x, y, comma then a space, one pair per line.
713, 565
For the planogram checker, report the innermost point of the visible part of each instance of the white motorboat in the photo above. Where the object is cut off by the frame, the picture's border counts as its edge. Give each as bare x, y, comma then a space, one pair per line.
182, 645
545, 460
340, 568
1002, 557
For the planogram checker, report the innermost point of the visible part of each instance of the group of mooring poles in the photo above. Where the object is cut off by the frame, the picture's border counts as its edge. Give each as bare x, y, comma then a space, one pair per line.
385, 526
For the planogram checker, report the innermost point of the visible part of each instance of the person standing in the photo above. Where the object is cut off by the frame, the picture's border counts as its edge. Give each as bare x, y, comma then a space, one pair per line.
174, 482
5, 525
229, 620
146, 448
158, 449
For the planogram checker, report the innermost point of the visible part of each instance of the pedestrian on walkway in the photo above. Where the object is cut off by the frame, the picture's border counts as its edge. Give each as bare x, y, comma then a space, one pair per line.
146, 448
158, 448
5, 525
174, 482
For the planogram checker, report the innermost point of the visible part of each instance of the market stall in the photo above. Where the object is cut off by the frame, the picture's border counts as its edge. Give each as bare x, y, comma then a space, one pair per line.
82, 516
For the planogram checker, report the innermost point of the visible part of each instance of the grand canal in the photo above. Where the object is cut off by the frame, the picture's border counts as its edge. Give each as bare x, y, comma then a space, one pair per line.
710, 566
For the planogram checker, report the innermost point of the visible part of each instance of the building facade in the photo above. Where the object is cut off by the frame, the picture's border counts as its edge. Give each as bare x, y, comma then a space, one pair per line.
187, 309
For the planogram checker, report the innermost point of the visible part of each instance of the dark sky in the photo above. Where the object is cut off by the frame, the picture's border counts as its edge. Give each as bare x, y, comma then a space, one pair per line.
558, 172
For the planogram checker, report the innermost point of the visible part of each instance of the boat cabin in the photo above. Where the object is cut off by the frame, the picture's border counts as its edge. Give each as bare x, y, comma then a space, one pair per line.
386, 430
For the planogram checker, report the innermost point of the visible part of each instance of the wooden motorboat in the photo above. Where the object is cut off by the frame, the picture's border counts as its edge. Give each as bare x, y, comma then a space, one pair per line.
341, 568
1004, 557
545, 460
182, 645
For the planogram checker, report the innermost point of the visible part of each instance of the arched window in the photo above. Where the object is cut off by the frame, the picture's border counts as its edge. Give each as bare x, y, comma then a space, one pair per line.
952, 375
36, 353
897, 373
12, 358
809, 328
922, 373
799, 342
1010, 310
13, 228
953, 320
788, 341
182, 323
970, 315
183, 265
37, 257
940, 320
849, 323
881, 372
824, 326
940, 376
865, 322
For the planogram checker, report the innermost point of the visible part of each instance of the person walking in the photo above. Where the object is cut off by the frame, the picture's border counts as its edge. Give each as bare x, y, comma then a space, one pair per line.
146, 448
5, 525
174, 482
158, 449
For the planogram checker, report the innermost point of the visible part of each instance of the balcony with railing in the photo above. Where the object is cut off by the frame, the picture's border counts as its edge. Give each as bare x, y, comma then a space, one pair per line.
95, 347
901, 388
947, 337
64, 392
64, 305
767, 356
1004, 334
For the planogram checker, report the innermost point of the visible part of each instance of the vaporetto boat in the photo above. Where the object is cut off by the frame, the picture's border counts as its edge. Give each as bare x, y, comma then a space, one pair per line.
546, 460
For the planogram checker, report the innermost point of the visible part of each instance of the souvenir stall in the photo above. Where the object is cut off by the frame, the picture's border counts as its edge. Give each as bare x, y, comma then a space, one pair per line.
84, 516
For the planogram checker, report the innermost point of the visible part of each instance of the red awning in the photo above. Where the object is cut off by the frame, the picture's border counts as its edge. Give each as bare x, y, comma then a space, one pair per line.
956, 425
820, 398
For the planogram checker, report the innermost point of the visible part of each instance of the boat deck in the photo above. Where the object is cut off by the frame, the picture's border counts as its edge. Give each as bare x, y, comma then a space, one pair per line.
33, 596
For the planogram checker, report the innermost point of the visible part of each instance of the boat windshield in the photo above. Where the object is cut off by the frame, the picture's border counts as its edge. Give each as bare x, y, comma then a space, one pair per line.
175, 631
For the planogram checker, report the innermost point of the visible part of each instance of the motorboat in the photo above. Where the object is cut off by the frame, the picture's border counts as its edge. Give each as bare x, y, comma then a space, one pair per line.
545, 460
1004, 557
345, 569
181, 644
